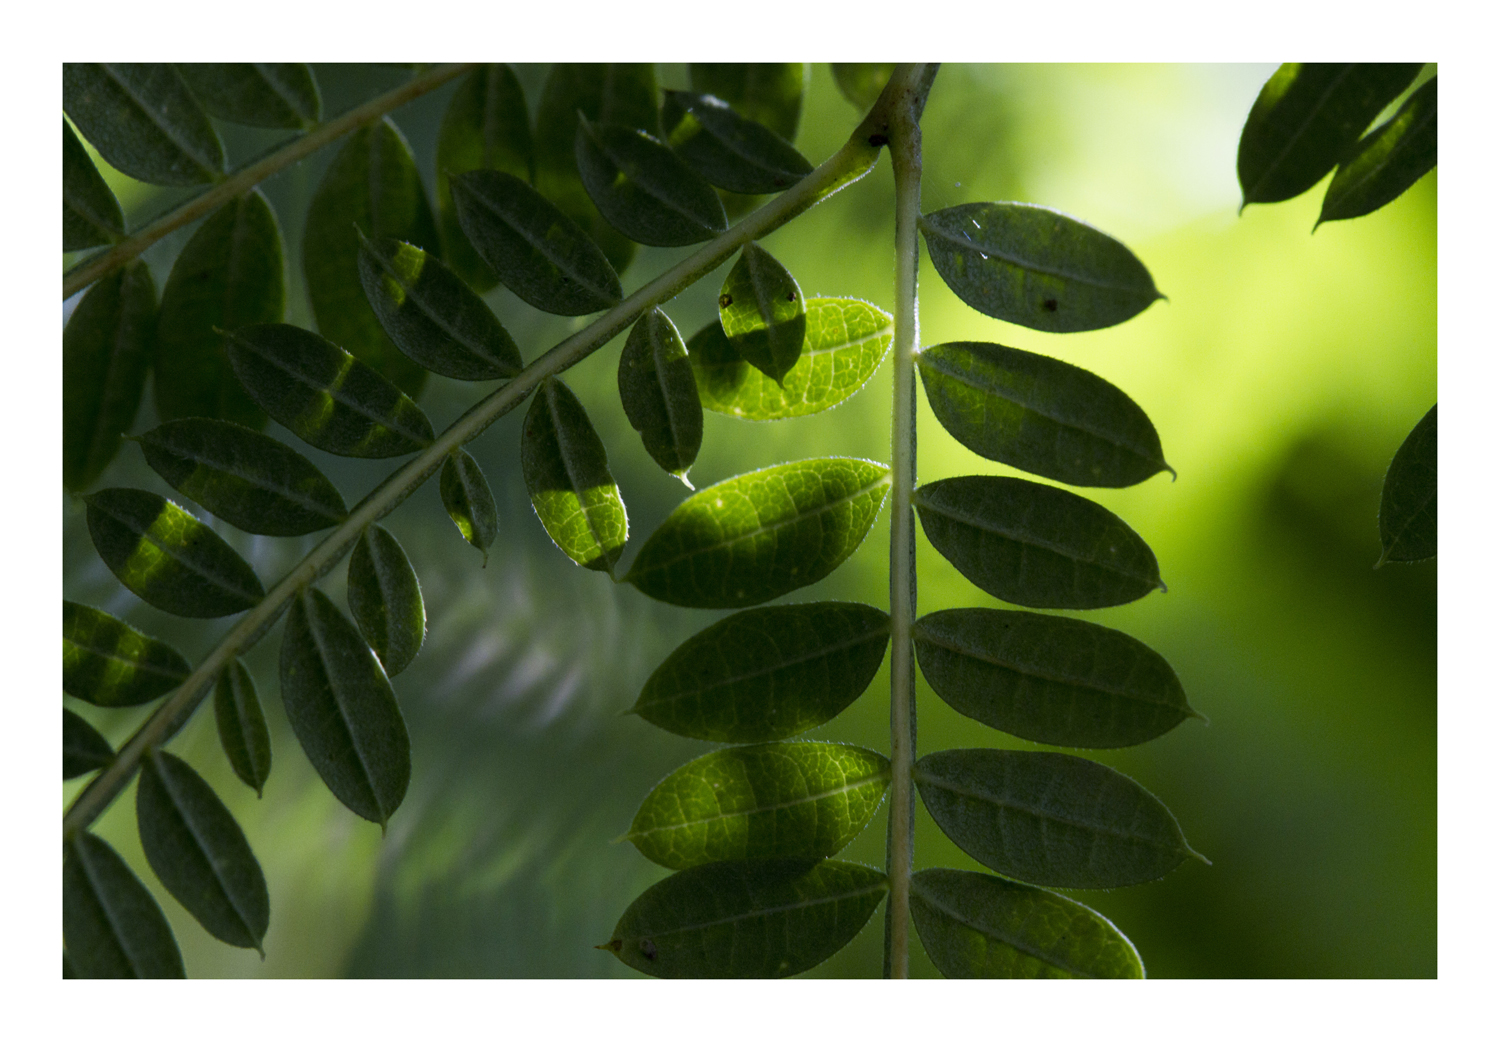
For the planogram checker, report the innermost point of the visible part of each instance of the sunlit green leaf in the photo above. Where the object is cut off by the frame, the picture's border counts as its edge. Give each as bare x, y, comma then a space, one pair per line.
767, 673
762, 534
862, 82
1036, 267
1392, 158
107, 663
643, 189
342, 709
763, 313
91, 214
747, 918
727, 149
386, 599
977, 925
84, 749
167, 557
469, 501
325, 395
1408, 501
1050, 818
242, 726
199, 852
144, 121
264, 94
660, 395
770, 93
1036, 545
112, 926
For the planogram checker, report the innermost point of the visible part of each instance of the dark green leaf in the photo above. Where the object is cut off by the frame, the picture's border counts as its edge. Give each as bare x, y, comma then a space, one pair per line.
167, 557
198, 851
537, 250
68, 972
727, 149
1040, 415
567, 475
228, 275
432, 316
862, 82
660, 395
1048, 678
106, 351
469, 502
762, 534
767, 673
84, 749
112, 926
91, 214
975, 925
1305, 120
770, 93
643, 189
1049, 818
107, 663
144, 121
1391, 159
781, 799
386, 599
747, 918
1408, 501
1036, 267
259, 95
1035, 545
324, 395
342, 709
242, 727
763, 313
846, 342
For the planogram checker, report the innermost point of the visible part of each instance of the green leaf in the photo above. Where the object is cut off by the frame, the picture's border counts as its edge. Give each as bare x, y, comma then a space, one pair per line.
372, 185
1036, 267
1408, 501
767, 673
1040, 415
242, 727
144, 121
198, 851
781, 799
432, 316
660, 395
728, 150
469, 502
228, 275
770, 93
1035, 545
259, 95
386, 599
1305, 120
763, 313
91, 214
1048, 678
862, 82
84, 749
106, 351
107, 663
762, 534
567, 475
167, 557
112, 926
747, 918
1050, 818
342, 709
979, 926
325, 395
643, 189
846, 342
538, 251
1392, 158
249, 479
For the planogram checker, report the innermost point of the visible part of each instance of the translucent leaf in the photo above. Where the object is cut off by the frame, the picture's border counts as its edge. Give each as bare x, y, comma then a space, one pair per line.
1050, 818
1036, 267
643, 189
862, 82
372, 185
781, 799
1408, 501
386, 599
1040, 415
1036, 545
144, 121
747, 918
91, 214
762, 534
567, 475
1305, 120
432, 316
199, 852
1392, 158
763, 313
228, 275
242, 727
469, 501
1048, 678
770, 93
83, 748
325, 395
167, 557
106, 351
974, 925
660, 395
845, 343
112, 926
539, 252
110, 664
259, 95
727, 149
342, 709
767, 673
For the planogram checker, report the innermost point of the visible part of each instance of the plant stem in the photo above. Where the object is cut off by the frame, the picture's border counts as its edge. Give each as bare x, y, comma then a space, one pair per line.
82, 275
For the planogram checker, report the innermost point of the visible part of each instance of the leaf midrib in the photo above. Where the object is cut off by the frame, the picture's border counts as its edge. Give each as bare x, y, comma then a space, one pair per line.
339, 395
1023, 947
859, 783
315, 631
436, 319
539, 246
146, 110
230, 468
138, 664
1296, 135
768, 911
822, 651
145, 533
970, 246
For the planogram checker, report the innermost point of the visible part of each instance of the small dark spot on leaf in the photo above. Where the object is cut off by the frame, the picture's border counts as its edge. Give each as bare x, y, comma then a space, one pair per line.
725, 300
1050, 305
648, 949
792, 296
876, 140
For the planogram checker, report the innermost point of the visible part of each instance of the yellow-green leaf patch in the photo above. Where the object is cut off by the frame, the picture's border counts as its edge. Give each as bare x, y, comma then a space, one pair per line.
108, 663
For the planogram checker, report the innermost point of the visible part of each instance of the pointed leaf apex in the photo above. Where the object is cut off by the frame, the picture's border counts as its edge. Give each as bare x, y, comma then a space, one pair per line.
682, 476
1199, 856
609, 946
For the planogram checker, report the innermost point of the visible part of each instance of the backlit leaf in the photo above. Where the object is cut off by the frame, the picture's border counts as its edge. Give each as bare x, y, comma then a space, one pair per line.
91, 214
762, 534
84, 749
144, 121
260, 95
770, 93
1036, 267
727, 149
763, 313
862, 82
1388, 161
468, 500
1408, 501
242, 726
107, 663
112, 926
386, 599
644, 190
660, 395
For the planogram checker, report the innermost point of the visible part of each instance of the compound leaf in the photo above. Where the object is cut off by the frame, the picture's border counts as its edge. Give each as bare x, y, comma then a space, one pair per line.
862, 82
144, 121
763, 313
84, 749
108, 663
643, 189
1388, 161
386, 599
242, 726
112, 926
660, 395
468, 500
263, 94
770, 93
91, 213
1408, 500
726, 149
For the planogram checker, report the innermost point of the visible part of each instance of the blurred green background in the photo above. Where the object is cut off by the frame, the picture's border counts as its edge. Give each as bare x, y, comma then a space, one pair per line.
1282, 374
